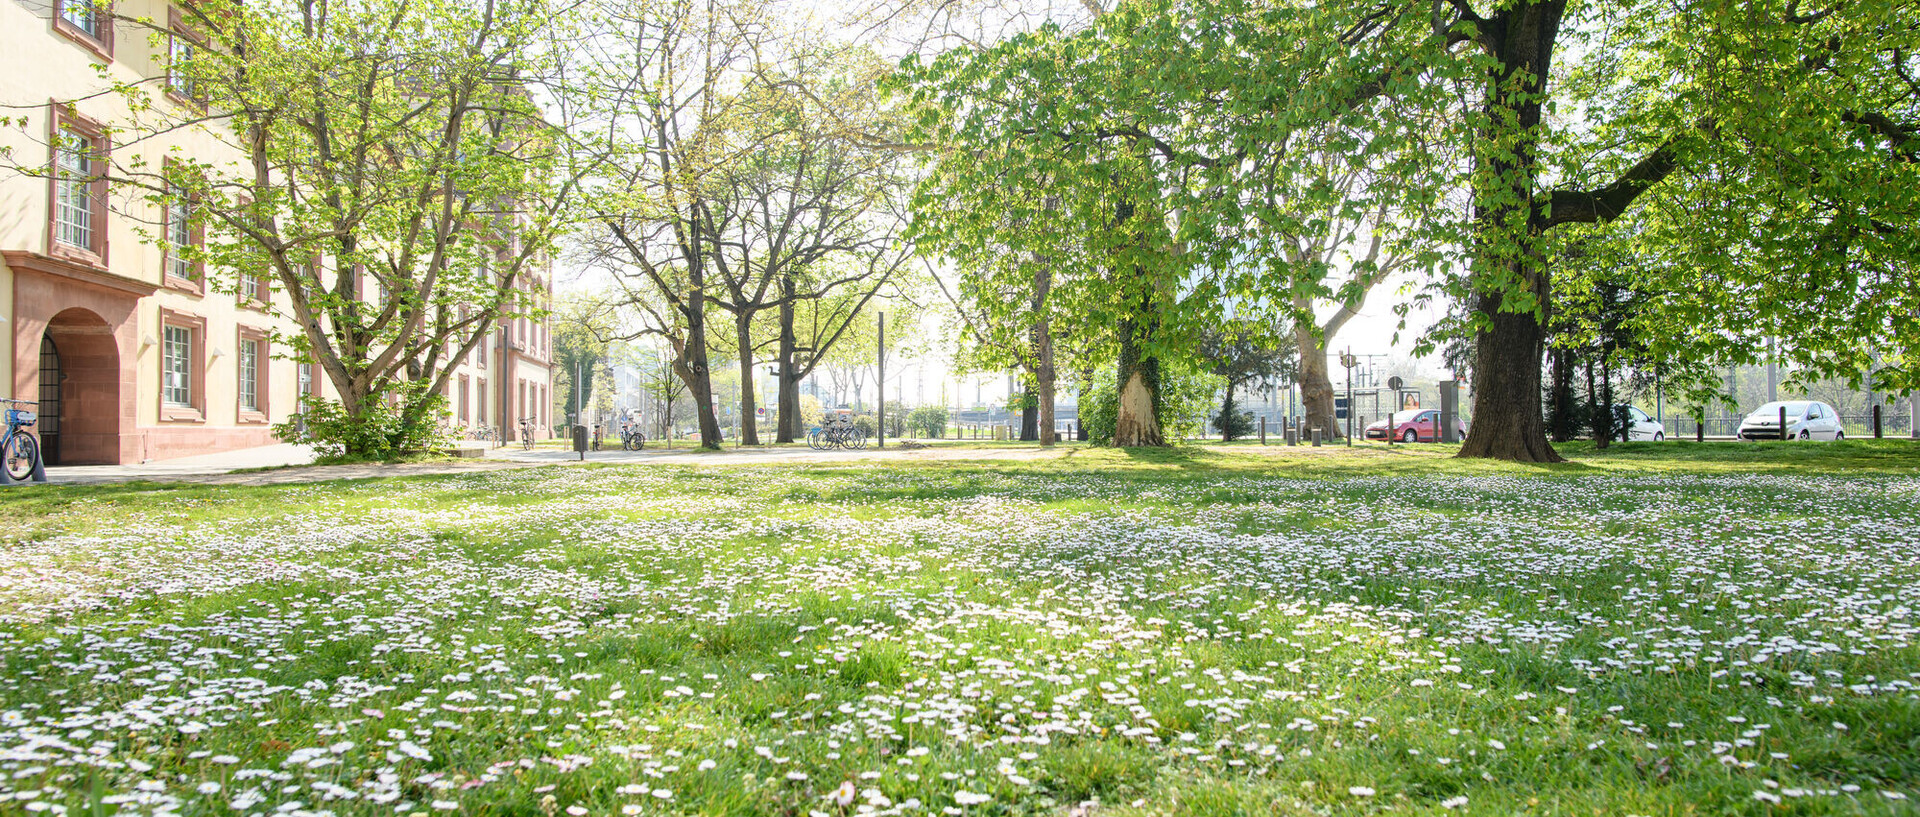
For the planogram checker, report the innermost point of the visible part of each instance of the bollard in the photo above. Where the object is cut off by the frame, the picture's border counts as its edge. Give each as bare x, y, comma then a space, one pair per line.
1876, 421
1783, 423
1316, 438
1263, 430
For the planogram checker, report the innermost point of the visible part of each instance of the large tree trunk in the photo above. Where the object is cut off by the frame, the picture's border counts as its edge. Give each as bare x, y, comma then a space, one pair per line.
788, 428
1609, 415
691, 364
1137, 419
743, 334
1316, 387
692, 369
1596, 413
1507, 421
1030, 417
1225, 421
1137, 415
1043, 374
1506, 391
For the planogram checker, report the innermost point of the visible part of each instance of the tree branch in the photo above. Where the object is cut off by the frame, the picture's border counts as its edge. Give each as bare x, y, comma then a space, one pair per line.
1902, 139
1607, 203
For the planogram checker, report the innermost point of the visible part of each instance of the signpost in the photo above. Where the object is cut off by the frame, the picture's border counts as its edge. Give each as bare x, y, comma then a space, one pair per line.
1394, 383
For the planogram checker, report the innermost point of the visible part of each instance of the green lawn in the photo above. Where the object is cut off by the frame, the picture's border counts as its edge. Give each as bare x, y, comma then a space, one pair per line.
1654, 629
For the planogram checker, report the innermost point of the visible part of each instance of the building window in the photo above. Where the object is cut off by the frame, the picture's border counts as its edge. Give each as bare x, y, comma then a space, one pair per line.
250, 375
73, 205
77, 214
251, 356
81, 15
180, 233
182, 46
87, 23
307, 383
465, 416
177, 367
255, 292
183, 382
179, 57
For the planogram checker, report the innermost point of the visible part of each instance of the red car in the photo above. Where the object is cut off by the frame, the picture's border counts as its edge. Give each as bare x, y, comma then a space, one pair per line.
1414, 426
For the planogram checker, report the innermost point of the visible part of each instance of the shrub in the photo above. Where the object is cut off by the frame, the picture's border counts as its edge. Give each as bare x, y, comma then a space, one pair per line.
1234, 425
928, 421
809, 411
1100, 412
896, 420
382, 431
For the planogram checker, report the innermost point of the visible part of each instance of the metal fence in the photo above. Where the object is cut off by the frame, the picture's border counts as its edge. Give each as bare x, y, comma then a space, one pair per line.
1858, 425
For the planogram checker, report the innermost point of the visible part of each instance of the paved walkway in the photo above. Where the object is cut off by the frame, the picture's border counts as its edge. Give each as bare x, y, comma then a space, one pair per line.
288, 463
265, 465
266, 456
743, 456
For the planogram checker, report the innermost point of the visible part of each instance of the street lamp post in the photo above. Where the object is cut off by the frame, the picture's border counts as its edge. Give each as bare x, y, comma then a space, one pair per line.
881, 387
1347, 360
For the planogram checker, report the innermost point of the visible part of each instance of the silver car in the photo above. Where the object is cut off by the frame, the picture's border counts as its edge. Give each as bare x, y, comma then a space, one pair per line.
1806, 420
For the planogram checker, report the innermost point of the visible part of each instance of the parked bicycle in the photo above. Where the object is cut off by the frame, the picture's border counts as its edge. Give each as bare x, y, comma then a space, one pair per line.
526, 433
19, 447
836, 431
631, 437
485, 432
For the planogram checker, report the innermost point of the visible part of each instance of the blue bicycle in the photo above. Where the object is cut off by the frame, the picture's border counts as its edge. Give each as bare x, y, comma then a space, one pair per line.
18, 447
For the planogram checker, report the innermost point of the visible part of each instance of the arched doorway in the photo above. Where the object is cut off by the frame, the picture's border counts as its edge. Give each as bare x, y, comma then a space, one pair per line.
84, 386
49, 400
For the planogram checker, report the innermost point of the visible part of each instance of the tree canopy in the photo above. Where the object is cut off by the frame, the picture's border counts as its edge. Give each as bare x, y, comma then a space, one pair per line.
1758, 156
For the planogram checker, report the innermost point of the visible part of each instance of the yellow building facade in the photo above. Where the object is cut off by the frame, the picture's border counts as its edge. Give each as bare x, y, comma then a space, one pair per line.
129, 352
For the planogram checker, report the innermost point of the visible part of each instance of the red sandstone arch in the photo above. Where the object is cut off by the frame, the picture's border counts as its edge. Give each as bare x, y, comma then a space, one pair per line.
90, 315
90, 379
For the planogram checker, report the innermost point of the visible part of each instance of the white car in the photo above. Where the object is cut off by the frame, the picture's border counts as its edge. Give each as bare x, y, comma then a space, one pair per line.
1806, 420
1642, 427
